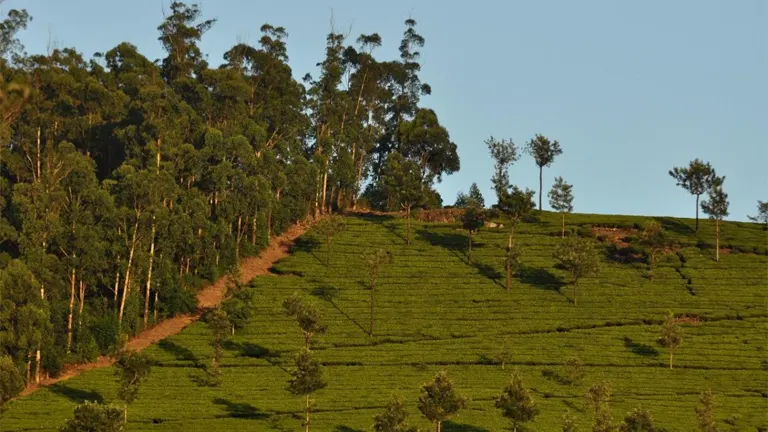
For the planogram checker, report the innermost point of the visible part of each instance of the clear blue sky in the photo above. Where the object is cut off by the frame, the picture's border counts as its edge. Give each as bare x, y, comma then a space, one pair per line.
630, 89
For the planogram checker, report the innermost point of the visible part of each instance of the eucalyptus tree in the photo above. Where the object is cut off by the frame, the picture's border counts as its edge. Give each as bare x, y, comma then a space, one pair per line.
544, 153
697, 178
306, 378
716, 206
374, 261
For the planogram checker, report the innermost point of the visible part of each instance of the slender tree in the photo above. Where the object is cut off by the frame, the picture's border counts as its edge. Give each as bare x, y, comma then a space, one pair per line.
505, 354
654, 239
561, 198
392, 419
308, 317
472, 220
717, 208
579, 259
328, 228
762, 214
374, 261
671, 336
697, 178
218, 324
599, 396
705, 411
131, 369
573, 370
544, 152
306, 378
504, 154
439, 401
515, 403
515, 204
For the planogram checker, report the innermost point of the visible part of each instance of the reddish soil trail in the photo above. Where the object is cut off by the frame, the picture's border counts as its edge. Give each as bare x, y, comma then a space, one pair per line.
208, 297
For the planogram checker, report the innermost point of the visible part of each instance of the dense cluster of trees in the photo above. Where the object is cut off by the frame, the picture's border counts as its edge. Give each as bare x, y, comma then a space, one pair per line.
126, 183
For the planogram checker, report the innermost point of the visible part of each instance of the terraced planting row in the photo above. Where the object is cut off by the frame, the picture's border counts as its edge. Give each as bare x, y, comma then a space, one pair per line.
436, 311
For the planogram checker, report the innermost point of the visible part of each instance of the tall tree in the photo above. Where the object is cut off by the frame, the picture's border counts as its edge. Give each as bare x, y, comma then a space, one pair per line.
561, 199
599, 396
578, 257
697, 178
306, 378
705, 411
516, 403
131, 369
439, 401
374, 261
762, 214
308, 317
671, 336
544, 152
716, 207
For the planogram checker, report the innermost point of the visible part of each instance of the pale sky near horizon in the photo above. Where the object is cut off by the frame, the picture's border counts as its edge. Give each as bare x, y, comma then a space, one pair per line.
630, 89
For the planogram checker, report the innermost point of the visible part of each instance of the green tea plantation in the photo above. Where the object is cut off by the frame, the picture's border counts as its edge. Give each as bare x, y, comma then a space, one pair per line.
434, 310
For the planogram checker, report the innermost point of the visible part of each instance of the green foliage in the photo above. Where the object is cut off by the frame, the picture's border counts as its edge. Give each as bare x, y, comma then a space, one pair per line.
578, 257
308, 317
374, 260
569, 423
544, 152
329, 227
561, 198
505, 354
573, 370
599, 396
239, 306
94, 417
131, 369
393, 418
11, 381
697, 178
439, 401
705, 411
473, 199
671, 336
504, 153
515, 403
639, 420
762, 214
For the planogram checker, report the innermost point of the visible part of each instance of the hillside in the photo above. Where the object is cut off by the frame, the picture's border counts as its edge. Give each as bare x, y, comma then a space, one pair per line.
435, 311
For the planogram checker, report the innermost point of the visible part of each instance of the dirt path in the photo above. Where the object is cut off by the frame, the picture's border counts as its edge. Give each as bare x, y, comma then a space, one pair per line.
208, 297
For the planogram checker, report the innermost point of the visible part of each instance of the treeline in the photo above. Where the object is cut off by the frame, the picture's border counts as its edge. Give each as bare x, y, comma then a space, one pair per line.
128, 183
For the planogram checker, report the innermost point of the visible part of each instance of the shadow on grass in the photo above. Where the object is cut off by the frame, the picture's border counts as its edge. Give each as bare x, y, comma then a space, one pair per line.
573, 406
249, 349
241, 410
450, 426
449, 241
180, 352
76, 395
540, 278
329, 294
675, 225
554, 376
491, 273
370, 217
391, 227
640, 349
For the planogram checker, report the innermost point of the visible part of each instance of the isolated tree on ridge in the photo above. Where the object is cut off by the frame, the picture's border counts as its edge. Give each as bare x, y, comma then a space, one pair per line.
697, 178
561, 198
717, 208
374, 260
762, 214
439, 401
544, 152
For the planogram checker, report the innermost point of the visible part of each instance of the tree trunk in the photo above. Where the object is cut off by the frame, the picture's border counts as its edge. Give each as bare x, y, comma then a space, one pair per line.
439, 426
509, 260
127, 280
239, 237
149, 271
117, 288
717, 240
697, 213
37, 365
154, 307
253, 231
82, 304
670, 359
541, 185
325, 189
306, 411
563, 235
29, 368
72, 278
469, 252
408, 231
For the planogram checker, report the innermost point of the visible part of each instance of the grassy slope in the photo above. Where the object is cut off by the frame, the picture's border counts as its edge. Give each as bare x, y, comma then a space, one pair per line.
434, 311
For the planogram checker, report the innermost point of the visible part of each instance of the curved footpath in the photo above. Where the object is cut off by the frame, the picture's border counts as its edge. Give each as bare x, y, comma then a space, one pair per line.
210, 296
